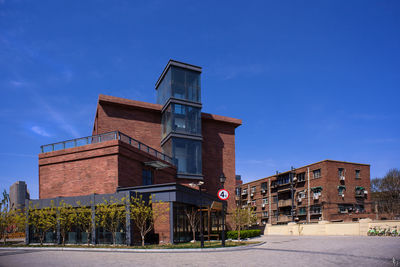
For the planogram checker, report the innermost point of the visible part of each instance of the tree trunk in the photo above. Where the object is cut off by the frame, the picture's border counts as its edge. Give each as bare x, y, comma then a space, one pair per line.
142, 240
194, 235
239, 234
63, 238
88, 239
42, 238
113, 237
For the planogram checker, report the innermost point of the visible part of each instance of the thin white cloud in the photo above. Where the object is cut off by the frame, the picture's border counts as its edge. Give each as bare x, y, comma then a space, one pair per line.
18, 84
40, 131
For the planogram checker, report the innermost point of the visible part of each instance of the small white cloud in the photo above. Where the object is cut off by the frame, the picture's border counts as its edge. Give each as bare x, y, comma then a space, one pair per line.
18, 83
40, 131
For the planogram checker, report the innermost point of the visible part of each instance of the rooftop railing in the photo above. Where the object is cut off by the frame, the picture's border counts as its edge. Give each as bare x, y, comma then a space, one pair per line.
116, 135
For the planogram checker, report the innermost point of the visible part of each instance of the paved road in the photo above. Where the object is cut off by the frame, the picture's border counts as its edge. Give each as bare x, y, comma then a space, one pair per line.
278, 251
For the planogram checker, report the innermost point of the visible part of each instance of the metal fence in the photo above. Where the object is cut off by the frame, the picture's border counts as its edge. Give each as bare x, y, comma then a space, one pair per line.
116, 135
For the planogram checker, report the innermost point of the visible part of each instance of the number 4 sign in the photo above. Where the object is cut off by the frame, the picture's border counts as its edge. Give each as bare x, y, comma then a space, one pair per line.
223, 194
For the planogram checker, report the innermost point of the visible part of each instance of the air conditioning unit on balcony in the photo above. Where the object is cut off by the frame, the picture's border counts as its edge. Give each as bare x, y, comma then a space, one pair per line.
342, 195
248, 201
263, 205
342, 178
365, 192
263, 191
252, 194
299, 199
316, 196
295, 179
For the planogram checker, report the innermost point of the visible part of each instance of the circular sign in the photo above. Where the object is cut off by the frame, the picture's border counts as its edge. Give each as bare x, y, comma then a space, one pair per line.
223, 194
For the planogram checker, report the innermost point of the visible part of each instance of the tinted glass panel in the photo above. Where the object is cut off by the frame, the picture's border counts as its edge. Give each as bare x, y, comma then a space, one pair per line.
187, 154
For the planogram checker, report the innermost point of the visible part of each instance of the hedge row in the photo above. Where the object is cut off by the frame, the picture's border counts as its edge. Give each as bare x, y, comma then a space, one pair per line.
243, 234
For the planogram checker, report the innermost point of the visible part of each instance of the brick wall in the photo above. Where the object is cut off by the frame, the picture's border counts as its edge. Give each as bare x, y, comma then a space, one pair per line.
330, 198
95, 168
79, 171
162, 222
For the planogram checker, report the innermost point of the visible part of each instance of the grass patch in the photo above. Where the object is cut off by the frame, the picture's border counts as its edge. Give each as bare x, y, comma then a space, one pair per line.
207, 244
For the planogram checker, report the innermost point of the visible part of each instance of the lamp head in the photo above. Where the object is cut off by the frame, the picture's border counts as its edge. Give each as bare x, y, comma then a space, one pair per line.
222, 178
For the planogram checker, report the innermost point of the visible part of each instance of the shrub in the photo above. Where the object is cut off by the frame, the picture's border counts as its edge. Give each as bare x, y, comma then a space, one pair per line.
243, 234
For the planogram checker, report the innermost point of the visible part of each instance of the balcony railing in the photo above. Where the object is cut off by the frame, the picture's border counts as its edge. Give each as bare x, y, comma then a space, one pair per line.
284, 218
284, 203
116, 135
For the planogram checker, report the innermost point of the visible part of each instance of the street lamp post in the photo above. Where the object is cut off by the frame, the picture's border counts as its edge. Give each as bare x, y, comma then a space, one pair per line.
200, 183
222, 179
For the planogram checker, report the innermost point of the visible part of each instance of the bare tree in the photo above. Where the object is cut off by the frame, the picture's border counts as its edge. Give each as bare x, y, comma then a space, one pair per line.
193, 217
386, 193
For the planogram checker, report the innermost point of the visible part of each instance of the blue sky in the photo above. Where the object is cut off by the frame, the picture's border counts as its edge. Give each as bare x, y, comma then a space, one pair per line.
311, 80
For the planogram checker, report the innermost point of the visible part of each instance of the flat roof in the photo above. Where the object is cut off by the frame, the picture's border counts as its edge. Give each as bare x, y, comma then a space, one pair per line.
158, 108
325, 160
176, 63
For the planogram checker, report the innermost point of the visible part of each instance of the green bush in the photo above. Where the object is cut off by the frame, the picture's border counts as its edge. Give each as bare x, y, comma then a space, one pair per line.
243, 234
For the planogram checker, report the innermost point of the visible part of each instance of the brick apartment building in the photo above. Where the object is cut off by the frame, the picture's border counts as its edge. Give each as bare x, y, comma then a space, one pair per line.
326, 190
165, 149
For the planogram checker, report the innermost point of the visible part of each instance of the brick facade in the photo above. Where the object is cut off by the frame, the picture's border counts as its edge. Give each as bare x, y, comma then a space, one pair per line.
142, 121
277, 208
96, 168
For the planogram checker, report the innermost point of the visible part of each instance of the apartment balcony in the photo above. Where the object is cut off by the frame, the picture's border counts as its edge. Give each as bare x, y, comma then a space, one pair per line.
100, 138
285, 202
284, 218
315, 212
264, 215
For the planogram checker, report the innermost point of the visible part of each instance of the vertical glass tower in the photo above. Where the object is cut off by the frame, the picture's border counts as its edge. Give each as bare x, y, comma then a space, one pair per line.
179, 90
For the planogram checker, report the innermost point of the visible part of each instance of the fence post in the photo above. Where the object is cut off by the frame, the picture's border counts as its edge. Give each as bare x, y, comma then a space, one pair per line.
93, 220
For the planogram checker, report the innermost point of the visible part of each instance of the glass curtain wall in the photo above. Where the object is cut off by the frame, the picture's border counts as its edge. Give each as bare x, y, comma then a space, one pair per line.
181, 84
181, 119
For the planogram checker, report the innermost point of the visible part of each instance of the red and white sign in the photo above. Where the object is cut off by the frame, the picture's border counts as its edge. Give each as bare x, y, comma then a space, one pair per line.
223, 194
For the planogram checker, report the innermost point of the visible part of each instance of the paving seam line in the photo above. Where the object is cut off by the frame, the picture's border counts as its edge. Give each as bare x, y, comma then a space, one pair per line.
176, 250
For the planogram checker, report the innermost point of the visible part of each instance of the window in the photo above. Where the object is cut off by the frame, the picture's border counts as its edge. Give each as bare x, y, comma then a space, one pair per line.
237, 191
264, 187
359, 191
358, 174
265, 214
317, 191
275, 199
302, 211
346, 208
301, 194
283, 179
265, 201
253, 203
244, 192
341, 189
275, 212
341, 172
301, 177
253, 189
317, 173
315, 210
147, 176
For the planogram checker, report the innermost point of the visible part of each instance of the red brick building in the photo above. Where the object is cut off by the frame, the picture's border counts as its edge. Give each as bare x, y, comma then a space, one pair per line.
326, 190
145, 147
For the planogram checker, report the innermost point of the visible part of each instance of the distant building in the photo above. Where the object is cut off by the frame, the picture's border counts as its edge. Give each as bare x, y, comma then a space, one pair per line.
327, 190
18, 194
238, 180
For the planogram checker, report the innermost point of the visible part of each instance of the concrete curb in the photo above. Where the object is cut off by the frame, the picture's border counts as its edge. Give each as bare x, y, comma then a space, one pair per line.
175, 250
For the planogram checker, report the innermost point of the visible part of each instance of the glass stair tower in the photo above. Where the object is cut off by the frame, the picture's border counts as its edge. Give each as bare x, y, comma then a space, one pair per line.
179, 91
